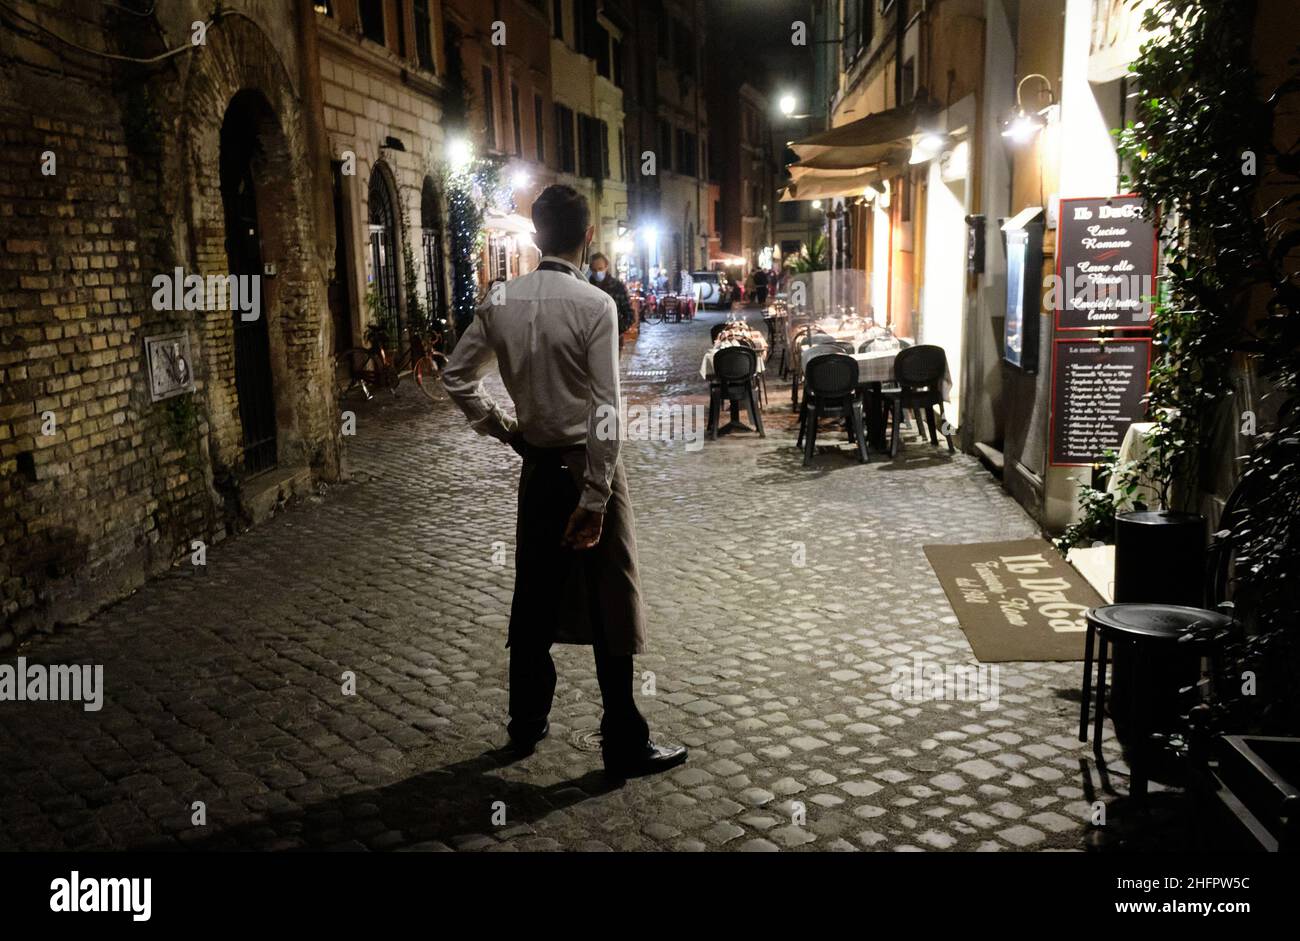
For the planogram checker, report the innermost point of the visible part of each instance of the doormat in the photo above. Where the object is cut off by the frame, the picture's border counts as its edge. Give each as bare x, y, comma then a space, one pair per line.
1015, 601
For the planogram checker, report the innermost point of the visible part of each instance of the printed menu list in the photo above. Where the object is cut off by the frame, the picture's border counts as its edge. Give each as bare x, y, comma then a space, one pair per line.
1106, 255
1097, 393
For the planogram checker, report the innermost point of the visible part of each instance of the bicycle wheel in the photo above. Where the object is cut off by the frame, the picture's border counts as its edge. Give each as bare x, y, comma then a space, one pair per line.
355, 369
428, 375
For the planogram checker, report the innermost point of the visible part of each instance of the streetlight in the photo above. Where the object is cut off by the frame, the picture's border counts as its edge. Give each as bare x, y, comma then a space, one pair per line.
817, 204
460, 153
520, 180
787, 103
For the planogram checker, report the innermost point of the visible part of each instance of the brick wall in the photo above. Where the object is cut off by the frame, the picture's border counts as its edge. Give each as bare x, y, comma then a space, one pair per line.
121, 485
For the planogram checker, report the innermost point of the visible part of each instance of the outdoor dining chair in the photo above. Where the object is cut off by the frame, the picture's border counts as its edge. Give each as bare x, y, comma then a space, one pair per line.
831, 391
735, 371
790, 347
919, 372
672, 308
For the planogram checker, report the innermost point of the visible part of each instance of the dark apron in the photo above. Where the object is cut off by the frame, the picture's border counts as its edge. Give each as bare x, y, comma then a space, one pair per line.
562, 595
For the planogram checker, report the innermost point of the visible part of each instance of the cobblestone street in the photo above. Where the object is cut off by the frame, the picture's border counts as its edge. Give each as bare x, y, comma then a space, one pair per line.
781, 601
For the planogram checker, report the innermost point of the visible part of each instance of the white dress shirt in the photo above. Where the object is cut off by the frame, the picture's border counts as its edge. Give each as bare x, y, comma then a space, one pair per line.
555, 342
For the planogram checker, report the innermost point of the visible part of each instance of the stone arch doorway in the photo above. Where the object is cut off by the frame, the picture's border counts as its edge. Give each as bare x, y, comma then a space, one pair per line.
242, 161
385, 246
431, 252
240, 75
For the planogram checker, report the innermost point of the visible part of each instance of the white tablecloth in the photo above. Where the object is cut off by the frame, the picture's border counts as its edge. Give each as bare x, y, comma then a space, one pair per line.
1134, 448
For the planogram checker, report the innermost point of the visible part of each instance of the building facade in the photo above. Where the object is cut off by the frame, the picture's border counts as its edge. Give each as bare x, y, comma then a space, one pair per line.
666, 128
740, 137
382, 72
926, 180
588, 64
149, 404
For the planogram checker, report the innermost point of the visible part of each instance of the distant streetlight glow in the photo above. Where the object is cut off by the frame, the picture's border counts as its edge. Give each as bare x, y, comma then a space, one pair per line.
520, 180
817, 204
788, 103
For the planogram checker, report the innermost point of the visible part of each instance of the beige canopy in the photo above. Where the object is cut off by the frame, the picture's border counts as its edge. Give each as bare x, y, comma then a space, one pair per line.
865, 136
844, 160
814, 185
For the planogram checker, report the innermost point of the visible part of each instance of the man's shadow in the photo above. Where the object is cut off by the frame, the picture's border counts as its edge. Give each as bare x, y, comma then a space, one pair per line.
437, 805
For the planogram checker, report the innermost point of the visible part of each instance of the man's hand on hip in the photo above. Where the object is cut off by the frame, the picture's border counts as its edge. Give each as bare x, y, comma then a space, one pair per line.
516, 441
583, 531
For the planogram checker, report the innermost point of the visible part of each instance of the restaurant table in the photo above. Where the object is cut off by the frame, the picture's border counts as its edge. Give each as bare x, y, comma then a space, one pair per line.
874, 370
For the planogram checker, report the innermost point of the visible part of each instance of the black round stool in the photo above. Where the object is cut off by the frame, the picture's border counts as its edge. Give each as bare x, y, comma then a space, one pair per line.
1157, 652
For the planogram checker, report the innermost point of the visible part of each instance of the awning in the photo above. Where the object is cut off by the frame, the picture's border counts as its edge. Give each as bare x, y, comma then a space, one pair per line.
859, 139
847, 161
508, 222
844, 160
829, 184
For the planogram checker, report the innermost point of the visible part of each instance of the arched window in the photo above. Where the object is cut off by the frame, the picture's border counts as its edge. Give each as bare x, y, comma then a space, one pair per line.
383, 253
431, 253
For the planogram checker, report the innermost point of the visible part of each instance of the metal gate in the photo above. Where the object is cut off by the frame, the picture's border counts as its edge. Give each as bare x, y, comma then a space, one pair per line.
383, 260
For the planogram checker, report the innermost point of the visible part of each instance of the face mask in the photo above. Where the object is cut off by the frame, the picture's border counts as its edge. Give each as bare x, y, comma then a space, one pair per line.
600, 276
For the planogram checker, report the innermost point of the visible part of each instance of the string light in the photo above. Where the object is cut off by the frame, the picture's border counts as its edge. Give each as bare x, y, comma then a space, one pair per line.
472, 186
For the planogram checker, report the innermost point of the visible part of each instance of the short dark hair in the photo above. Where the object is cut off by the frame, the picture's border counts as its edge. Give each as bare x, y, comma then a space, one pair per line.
599, 256
561, 216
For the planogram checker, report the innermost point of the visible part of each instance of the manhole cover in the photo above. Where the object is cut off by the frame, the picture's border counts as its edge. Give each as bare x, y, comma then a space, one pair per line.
586, 739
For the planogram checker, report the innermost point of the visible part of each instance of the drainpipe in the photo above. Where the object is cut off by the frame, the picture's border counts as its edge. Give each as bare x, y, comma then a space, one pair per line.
900, 30
313, 112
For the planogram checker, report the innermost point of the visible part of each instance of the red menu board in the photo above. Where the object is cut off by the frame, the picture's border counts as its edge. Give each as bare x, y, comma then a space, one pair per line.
1106, 255
1097, 390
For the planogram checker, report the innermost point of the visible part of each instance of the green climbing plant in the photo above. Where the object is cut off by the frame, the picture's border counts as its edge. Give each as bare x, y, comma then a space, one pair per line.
1183, 150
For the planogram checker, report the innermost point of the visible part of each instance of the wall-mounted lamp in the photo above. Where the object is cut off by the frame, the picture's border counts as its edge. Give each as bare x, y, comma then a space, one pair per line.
817, 204
926, 145
1023, 125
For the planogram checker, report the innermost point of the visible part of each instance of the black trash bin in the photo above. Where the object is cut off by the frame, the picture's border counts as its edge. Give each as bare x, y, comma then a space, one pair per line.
1160, 558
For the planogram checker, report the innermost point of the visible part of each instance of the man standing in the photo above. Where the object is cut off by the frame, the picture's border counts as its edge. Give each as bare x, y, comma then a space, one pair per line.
760, 287
604, 279
554, 339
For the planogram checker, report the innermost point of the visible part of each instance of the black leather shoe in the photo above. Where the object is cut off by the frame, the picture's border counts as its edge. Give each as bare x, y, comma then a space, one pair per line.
650, 760
527, 745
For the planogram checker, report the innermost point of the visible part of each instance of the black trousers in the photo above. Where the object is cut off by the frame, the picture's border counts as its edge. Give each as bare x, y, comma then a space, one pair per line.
532, 690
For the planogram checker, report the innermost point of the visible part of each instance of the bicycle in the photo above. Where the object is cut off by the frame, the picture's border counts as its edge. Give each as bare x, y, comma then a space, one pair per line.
373, 366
